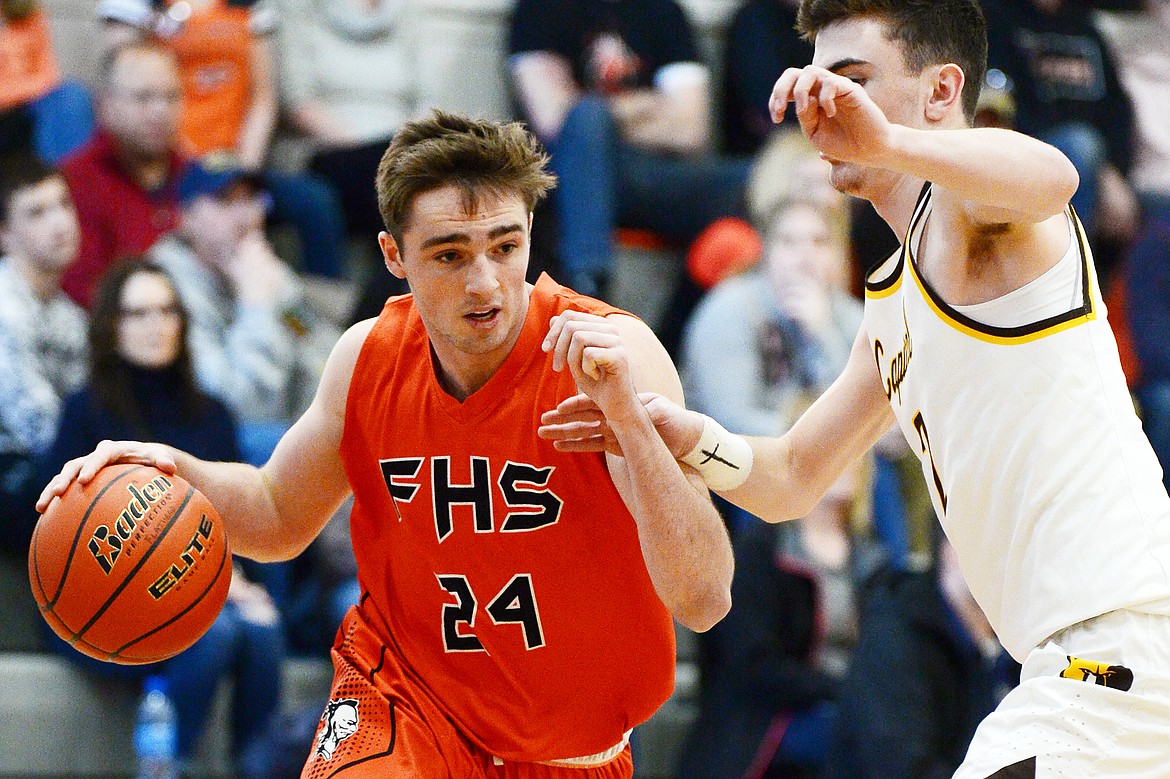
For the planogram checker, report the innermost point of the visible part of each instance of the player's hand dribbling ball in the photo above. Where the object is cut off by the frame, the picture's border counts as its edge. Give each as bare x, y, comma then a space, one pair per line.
131, 568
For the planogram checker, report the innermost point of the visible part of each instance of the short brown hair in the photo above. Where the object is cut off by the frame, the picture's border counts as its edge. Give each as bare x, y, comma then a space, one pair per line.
20, 171
929, 32
476, 155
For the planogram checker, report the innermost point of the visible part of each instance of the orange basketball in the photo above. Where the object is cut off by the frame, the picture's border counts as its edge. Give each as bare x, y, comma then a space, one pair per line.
131, 568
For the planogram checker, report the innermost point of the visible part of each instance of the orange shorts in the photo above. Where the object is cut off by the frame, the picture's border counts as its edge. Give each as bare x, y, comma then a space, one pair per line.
378, 723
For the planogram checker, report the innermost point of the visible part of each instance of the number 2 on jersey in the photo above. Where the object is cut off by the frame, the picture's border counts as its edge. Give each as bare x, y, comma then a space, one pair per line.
514, 604
924, 438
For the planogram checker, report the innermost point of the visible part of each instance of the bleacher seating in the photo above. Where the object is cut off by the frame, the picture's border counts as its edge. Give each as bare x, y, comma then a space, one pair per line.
60, 721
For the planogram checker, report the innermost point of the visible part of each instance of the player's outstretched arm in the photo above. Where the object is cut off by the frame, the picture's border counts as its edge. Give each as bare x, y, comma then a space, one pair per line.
683, 539
786, 475
273, 512
1000, 176
304, 481
791, 473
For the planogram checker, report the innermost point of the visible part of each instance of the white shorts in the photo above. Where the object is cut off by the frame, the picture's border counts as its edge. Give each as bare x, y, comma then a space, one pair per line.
1084, 717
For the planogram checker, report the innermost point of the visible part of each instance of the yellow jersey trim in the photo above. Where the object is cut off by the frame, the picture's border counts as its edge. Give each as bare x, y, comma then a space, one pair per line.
1007, 336
892, 282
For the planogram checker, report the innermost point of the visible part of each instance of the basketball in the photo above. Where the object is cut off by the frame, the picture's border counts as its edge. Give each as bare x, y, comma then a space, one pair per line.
131, 568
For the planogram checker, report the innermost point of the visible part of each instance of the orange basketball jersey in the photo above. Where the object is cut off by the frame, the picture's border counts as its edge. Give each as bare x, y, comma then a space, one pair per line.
507, 576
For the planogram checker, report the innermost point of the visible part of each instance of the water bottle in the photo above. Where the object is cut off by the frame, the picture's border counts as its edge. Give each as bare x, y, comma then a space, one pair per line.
156, 738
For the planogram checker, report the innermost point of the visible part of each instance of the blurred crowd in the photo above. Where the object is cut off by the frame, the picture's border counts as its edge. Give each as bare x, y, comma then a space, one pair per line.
157, 261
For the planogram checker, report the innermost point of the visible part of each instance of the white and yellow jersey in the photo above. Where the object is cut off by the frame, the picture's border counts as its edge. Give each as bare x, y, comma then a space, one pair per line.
1035, 459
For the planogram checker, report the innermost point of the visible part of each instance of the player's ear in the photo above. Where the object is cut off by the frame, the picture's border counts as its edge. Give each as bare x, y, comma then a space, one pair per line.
946, 93
391, 255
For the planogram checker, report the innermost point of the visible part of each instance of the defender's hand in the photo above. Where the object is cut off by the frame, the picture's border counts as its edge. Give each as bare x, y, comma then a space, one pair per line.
577, 425
835, 113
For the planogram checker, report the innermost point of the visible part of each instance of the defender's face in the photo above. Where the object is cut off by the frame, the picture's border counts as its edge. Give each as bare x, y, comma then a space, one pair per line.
42, 226
859, 50
466, 271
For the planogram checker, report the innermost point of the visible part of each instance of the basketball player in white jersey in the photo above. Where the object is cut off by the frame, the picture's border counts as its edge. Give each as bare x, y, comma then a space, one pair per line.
985, 340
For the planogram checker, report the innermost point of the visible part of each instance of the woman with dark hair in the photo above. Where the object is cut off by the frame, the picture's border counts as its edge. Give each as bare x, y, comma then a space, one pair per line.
141, 379
141, 386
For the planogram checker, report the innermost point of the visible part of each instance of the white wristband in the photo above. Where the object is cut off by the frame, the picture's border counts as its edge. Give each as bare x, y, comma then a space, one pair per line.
723, 459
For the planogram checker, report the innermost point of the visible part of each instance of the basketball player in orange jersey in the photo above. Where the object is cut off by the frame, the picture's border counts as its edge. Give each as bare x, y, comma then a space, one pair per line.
517, 604
985, 339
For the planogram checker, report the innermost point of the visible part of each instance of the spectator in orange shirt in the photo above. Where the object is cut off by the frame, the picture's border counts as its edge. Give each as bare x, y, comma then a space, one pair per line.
39, 111
226, 63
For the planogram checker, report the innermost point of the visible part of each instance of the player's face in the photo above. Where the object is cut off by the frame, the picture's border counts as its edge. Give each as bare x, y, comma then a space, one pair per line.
858, 49
42, 226
149, 322
466, 271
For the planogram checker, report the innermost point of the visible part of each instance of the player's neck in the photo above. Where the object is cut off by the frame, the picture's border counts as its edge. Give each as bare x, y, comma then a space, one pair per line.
895, 205
462, 384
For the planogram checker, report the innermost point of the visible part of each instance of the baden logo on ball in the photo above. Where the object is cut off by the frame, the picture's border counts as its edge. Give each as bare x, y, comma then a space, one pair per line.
131, 568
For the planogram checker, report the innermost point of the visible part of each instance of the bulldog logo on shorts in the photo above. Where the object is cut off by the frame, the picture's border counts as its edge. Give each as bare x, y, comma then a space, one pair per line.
1115, 677
341, 722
